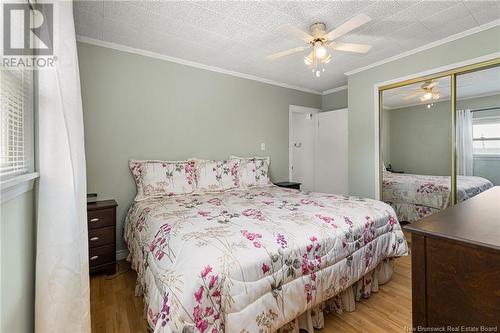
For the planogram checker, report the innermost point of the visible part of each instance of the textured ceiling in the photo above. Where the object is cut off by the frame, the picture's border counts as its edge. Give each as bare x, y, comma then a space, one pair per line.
238, 35
475, 84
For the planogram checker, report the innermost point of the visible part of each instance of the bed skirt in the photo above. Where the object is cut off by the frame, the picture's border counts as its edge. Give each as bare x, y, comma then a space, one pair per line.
345, 301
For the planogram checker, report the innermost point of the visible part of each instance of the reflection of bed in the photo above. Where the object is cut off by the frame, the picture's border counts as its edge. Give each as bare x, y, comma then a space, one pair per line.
253, 260
416, 196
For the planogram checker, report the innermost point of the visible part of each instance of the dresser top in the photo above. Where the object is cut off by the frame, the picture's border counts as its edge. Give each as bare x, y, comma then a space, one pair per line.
101, 204
475, 221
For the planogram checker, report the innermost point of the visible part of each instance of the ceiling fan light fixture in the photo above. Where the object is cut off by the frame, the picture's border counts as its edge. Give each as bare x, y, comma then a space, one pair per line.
427, 96
321, 42
320, 51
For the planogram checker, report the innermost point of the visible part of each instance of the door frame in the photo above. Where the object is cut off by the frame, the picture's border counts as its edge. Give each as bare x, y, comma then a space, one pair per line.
300, 109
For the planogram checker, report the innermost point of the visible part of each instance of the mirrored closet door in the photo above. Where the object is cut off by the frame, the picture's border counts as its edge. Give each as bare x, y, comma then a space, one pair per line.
416, 141
477, 131
439, 139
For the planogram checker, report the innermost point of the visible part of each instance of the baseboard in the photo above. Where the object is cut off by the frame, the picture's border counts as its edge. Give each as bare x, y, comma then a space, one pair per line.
121, 254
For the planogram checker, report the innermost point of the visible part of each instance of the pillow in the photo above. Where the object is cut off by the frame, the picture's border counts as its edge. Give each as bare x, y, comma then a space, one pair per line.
253, 171
216, 175
163, 178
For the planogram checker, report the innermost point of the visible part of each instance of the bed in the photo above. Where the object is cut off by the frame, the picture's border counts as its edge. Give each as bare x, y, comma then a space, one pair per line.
414, 197
262, 259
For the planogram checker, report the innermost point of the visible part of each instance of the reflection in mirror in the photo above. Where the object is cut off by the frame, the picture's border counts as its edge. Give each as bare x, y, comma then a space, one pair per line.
416, 133
478, 132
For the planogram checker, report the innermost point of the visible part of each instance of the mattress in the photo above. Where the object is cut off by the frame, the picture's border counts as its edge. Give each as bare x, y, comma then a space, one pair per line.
253, 260
416, 196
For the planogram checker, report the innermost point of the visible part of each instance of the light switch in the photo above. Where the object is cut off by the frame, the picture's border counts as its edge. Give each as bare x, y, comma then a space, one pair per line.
263, 146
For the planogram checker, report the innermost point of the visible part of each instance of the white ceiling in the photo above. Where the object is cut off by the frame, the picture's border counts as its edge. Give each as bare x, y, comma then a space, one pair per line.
238, 35
475, 84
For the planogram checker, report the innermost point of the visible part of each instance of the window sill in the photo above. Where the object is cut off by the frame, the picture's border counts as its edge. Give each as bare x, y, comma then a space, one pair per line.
13, 187
486, 157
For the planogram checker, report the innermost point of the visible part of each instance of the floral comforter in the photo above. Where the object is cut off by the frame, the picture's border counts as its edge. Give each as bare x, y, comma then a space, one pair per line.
429, 191
252, 260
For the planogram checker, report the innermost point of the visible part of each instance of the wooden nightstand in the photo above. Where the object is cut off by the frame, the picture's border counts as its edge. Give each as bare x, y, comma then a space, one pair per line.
294, 185
101, 216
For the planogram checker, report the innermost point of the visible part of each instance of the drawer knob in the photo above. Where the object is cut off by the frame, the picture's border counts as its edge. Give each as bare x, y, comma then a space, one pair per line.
93, 258
95, 219
94, 239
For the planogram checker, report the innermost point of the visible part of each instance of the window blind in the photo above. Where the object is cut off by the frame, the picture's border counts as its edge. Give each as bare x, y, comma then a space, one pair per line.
486, 136
15, 100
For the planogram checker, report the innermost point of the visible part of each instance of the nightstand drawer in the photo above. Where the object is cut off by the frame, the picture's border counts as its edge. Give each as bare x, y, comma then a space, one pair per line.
101, 218
101, 236
102, 255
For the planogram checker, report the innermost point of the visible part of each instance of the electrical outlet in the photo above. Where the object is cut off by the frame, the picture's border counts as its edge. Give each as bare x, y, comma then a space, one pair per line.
263, 146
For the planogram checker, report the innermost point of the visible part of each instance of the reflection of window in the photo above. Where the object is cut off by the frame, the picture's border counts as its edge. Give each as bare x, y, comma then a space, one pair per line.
486, 134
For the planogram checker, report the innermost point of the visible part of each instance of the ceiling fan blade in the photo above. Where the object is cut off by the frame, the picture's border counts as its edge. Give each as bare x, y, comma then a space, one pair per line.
349, 47
411, 96
287, 52
297, 33
432, 84
348, 26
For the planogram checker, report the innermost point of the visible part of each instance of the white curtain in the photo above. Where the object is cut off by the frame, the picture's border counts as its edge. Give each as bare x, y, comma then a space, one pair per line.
464, 143
62, 302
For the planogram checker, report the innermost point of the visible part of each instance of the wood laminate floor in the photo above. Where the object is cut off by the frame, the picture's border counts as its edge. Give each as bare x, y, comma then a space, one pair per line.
114, 308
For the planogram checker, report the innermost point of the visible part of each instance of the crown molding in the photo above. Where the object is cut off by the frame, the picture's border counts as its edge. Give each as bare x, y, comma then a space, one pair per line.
128, 49
326, 92
445, 40
447, 99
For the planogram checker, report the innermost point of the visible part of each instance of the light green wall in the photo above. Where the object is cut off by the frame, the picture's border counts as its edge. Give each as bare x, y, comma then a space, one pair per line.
334, 101
420, 139
488, 168
362, 100
417, 140
479, 103
145, 108
17, 232
386, 138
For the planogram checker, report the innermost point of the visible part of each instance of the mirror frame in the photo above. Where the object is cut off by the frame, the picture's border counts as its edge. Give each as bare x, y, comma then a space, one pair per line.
452, 74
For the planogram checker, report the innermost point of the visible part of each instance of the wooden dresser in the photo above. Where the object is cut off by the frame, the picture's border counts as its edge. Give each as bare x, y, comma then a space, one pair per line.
456, 265
101, 216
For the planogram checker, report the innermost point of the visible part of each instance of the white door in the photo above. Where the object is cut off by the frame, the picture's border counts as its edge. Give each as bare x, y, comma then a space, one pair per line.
302, 146
331, 153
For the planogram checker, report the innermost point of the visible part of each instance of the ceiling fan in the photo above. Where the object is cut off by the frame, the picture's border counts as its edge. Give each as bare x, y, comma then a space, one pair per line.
319, 41
427, 92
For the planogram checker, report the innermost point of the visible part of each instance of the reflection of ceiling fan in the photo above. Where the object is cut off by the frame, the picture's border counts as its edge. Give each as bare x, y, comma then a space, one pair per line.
427, 92
318, 40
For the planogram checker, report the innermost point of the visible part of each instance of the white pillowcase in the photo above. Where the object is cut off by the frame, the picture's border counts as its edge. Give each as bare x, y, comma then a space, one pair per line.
163, 178
254, 171
215, 176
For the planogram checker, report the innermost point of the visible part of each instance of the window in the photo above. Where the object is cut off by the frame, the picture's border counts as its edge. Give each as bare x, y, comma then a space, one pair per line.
16, 122
486, 136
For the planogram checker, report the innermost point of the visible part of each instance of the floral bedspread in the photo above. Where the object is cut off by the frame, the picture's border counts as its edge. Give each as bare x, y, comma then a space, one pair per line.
429, 191
252, 260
